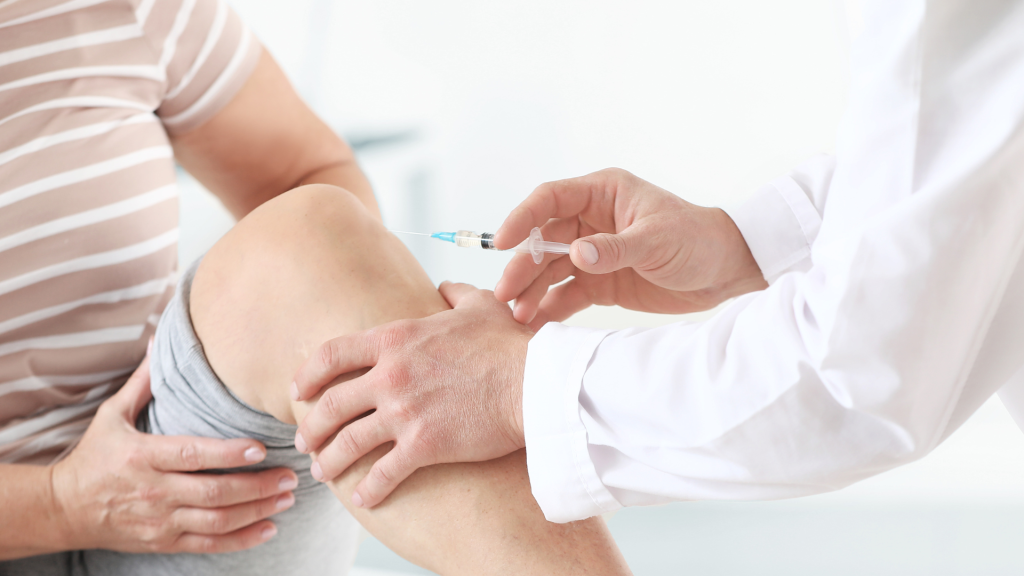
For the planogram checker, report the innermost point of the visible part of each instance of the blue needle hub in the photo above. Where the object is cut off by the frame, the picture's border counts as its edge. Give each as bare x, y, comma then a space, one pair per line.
446, 236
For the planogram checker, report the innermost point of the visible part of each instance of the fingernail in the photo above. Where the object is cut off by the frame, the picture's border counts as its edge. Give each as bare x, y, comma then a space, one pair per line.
357, 500
149, 346
288, 483
300, 443
317, 473
253, 454
268, 532
285, 501
293, 391
589, 253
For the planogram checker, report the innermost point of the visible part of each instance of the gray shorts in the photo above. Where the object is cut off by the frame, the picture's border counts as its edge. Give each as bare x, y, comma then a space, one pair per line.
315, 536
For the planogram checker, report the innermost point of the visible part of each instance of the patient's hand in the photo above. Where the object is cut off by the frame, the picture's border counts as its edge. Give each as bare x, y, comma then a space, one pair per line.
124, 490
432, 394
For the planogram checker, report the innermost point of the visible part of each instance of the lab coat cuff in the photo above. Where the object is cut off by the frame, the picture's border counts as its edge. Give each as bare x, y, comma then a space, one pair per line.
779, 223
563, 478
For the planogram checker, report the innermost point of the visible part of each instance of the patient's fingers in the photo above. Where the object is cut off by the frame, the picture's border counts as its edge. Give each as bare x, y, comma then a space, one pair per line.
238, 540
136, 393
338, 405
190, 453
386, 474
217, 491
351, 443
219, 521
336, 357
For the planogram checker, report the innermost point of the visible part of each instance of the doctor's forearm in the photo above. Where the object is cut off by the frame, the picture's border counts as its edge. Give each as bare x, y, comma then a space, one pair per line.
855, 361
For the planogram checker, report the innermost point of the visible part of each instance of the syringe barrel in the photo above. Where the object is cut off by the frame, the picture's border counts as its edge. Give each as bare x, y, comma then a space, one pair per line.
470, 239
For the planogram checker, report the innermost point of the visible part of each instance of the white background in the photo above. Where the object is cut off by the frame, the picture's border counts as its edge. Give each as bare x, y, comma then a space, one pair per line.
708, 100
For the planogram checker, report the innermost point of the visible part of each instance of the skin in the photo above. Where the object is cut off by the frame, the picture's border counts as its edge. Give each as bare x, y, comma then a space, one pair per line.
123, 490
314, 263
633, 244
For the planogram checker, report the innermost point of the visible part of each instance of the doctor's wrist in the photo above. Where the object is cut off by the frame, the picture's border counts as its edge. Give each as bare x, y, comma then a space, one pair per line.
739, 272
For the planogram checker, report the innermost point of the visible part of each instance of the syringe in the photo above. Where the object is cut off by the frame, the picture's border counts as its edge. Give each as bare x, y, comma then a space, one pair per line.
535, 245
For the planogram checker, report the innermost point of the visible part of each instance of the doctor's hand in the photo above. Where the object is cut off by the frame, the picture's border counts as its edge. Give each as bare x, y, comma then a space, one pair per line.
633, 244
445, 388
121, 489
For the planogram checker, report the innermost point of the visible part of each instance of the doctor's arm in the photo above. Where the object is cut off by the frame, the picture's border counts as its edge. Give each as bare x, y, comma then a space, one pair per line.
894, 329
890, 333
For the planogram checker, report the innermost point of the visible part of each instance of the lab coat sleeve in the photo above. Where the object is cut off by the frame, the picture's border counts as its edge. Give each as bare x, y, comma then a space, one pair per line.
851, 362
780, 221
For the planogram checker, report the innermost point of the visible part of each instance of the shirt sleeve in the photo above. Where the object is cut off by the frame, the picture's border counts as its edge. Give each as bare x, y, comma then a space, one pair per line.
781, 220
206, 52
859, 356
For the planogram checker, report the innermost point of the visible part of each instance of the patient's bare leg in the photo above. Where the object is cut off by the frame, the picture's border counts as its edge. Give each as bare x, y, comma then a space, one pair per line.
311, 265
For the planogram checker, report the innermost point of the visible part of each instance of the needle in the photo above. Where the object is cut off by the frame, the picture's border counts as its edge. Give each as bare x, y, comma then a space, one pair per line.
414, 233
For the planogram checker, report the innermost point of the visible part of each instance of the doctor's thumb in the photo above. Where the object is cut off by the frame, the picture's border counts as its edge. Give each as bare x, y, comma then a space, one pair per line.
604, 253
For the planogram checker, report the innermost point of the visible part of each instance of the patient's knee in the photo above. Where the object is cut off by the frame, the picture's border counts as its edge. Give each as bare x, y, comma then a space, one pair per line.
305, 267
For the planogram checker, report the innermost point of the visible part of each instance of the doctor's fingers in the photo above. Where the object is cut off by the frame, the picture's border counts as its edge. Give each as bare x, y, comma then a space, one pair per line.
220, 521
464, 296
339, 356
337, 407
460, 295
386, 474
560, 303
594, 194
521, 271
349, 445
220, 490
529, 301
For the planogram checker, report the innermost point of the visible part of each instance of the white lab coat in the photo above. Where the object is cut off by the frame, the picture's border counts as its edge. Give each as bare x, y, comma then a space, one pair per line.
895, 306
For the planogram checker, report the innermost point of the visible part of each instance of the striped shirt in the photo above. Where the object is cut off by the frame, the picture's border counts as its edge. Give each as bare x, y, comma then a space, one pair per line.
89, 92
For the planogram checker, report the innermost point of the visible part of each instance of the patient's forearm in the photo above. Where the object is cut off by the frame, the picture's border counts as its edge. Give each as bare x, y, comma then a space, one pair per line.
266, 141
31, 522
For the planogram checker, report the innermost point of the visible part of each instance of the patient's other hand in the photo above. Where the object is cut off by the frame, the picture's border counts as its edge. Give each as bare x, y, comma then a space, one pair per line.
124, 490
446, 388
